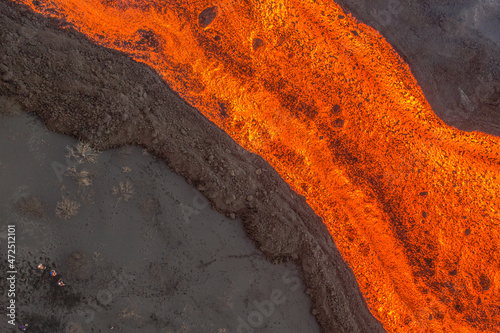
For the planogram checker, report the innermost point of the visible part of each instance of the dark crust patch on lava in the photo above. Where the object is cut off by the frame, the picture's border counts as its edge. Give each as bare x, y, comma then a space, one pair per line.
207, 16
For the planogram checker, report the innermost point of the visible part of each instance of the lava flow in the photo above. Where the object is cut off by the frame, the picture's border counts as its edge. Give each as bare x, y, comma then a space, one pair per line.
412, 204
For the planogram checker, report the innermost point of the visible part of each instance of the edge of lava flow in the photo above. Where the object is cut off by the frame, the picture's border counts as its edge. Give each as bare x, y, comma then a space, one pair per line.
411, 203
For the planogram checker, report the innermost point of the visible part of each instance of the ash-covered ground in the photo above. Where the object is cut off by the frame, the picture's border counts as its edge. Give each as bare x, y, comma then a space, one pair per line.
141, 250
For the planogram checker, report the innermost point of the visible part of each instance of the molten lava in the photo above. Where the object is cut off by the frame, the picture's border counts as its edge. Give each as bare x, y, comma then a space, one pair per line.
412, 204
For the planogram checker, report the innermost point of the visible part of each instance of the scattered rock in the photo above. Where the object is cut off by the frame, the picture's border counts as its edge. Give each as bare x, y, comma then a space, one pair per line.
8, 76
9, 106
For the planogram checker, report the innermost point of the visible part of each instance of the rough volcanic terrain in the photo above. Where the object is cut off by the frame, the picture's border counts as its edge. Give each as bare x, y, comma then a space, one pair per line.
102, 97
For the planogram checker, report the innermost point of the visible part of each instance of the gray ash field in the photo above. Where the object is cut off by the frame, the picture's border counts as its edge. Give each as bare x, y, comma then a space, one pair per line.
140, 249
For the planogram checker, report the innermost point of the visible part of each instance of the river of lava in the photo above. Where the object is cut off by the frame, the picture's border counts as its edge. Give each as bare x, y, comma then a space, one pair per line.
412, 204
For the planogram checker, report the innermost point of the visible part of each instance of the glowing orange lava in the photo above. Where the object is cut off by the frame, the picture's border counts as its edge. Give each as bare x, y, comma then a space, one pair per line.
412, 204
